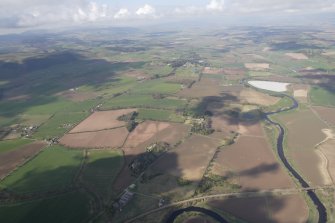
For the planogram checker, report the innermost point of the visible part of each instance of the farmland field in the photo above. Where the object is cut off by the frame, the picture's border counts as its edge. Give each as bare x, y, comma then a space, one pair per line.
102, 120
111, 123
11, 159
102, 168
53, 169
10, 145
100, 139
67, 208
322, 96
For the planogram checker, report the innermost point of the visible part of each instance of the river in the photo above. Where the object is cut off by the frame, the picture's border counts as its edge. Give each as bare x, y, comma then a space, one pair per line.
280, 150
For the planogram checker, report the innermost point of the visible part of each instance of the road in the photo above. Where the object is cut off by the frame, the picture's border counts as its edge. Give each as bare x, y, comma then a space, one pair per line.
236, 194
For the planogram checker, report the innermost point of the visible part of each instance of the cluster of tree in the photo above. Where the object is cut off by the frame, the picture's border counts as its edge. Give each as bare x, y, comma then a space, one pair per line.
212, 180
130, 119
202, 126
141, 162
183, 182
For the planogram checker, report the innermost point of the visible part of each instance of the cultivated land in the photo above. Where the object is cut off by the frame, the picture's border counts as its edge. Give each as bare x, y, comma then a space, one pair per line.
199, 136
102, 120
112, 138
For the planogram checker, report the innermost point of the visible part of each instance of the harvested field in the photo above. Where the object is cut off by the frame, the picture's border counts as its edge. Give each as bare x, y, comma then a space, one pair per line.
304, 132
254, 164
297, 56
250, 129
255, 97
327, 114
102, 120
11, 159
304, 129
203, 88
192, 156
270, 209
257, 66
144, 132
300, 92
150, 132
328, 150
101, 139
224, 123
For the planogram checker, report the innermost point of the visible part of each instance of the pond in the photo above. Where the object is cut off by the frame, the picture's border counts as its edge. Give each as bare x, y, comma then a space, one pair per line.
270, 85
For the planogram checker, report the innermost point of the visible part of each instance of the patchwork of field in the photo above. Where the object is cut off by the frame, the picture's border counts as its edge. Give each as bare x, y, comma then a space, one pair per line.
70, 207
102, 120
281, 209
176, 81
252, 163
111, 138
101, 169
304, 132
20, 152
53, 169
257, 66
144, 135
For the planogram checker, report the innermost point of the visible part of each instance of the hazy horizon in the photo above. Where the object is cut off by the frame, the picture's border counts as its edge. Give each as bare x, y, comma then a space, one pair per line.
19, 15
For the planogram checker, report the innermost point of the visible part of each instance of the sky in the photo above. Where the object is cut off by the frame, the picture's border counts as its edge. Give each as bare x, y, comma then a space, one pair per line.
16, 14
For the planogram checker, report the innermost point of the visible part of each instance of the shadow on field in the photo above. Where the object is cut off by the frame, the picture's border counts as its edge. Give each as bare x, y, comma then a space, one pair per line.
102, 182
26, 82
216, 106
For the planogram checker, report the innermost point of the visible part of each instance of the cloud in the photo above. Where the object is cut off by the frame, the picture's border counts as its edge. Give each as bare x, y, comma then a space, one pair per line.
146, 10
122, 14
215, 5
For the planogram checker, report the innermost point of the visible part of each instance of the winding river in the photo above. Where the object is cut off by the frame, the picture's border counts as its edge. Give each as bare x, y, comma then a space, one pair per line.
210, 213
320, 207
280, 150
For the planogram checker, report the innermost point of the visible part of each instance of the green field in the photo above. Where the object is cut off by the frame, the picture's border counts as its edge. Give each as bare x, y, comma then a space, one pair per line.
156, 86
9, 145
102, 168
322, 96
143, 101
59, 124
73, 207
54, 168
159, 115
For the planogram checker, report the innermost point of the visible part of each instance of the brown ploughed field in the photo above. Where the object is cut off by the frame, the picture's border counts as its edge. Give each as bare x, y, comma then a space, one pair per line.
203, 88
101, 139
253, 163
142, 136
304, 132
192, 156
11, 159
102, 120
327, 114
269, 209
